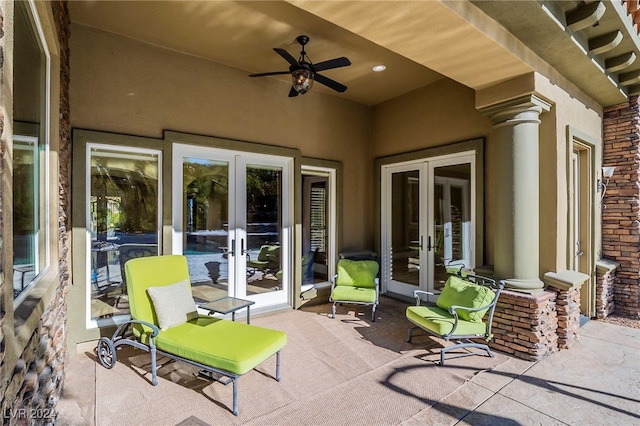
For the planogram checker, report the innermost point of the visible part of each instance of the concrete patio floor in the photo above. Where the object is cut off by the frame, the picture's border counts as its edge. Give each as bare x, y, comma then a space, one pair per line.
595, 382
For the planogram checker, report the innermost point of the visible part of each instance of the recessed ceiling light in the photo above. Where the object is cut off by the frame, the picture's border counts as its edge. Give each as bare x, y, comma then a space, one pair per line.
379, 68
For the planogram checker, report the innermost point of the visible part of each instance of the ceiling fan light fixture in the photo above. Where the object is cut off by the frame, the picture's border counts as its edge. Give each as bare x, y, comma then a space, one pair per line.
302, 80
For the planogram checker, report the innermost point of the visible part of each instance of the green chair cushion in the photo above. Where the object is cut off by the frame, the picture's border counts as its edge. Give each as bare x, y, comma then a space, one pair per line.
227, 345
441, 322
347, 293
357, 273
458, 292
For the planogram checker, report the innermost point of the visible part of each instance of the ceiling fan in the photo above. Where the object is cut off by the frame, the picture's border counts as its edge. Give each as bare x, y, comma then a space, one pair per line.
304, 72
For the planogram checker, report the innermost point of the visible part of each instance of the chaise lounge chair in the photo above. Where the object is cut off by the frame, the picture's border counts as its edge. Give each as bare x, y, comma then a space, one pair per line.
165, 321
267, 261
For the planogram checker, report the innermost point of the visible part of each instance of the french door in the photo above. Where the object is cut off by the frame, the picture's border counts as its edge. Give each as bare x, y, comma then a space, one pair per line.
232, 219
427, 222
581, 207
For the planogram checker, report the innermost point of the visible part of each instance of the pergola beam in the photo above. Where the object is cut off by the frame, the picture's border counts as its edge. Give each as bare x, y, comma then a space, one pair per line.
585, 16
618, 63
605, 43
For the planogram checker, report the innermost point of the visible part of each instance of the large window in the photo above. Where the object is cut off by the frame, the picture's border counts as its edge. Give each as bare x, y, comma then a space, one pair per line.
123, 220
30, 151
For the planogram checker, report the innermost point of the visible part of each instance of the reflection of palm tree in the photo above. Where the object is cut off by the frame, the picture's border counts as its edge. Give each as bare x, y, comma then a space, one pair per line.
136, 189
263, 189
206, 186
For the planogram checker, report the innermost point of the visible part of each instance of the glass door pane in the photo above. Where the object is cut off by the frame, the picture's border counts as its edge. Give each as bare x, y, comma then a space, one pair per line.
263, 228
124, 219
205, 220
452, 221
404, 230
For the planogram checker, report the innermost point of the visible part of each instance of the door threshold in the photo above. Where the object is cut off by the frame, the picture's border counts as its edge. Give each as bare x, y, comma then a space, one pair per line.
399, 296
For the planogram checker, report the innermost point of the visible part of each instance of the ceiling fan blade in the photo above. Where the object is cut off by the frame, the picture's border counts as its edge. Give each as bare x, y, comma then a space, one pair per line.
287, 57
331, 63
293, 92
263, 74
332, 84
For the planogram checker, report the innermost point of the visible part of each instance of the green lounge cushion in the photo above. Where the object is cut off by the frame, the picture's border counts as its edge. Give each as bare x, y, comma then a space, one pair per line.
227, 345
347, 293
441, 322
258, 264
458, 292
173, 304
269, 253
357, 273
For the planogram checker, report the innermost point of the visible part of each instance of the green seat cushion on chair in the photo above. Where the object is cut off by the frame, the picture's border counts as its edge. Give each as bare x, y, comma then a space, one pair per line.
441, 322
459, 292
227, 345
357, 273
347, 293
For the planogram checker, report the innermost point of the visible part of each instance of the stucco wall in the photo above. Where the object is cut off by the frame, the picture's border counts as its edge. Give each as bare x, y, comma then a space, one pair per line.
124, 86
439, 114
445, 112
584, 116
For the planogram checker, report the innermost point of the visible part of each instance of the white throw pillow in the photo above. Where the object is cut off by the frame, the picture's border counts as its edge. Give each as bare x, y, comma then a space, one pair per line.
173, 304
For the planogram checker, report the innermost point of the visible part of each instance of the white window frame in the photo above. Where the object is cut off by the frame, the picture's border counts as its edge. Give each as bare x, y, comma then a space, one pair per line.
45, 171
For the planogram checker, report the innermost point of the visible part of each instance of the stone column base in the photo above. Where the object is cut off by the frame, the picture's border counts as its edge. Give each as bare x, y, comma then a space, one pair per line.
525, 325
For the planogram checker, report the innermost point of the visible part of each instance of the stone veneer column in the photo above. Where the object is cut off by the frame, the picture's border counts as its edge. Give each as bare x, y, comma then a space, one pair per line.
621, 204
517, 218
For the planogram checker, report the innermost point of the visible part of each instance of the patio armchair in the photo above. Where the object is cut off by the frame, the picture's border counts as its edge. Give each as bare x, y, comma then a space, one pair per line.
464, 311
268, 261
355, 283
165, 321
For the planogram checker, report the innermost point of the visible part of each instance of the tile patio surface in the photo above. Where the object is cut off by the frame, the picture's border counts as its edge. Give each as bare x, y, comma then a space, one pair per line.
596, 382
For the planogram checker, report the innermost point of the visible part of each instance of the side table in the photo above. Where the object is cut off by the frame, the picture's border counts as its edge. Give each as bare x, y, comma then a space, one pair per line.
229, 305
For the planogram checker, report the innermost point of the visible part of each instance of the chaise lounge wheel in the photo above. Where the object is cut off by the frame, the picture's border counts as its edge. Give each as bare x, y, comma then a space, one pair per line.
106, 353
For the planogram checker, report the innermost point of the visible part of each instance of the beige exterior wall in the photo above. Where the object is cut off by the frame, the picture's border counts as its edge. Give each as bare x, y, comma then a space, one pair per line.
445, 112
123, 86
439, 114
581, 114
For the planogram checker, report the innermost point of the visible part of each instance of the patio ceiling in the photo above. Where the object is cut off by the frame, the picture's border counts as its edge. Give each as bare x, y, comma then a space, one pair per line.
444, 41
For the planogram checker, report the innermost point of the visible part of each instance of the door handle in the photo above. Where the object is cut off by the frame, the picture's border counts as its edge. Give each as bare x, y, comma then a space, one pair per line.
233, 248
429, 246
242, 250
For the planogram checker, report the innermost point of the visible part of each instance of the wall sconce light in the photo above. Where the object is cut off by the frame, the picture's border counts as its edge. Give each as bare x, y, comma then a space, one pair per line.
607, 172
